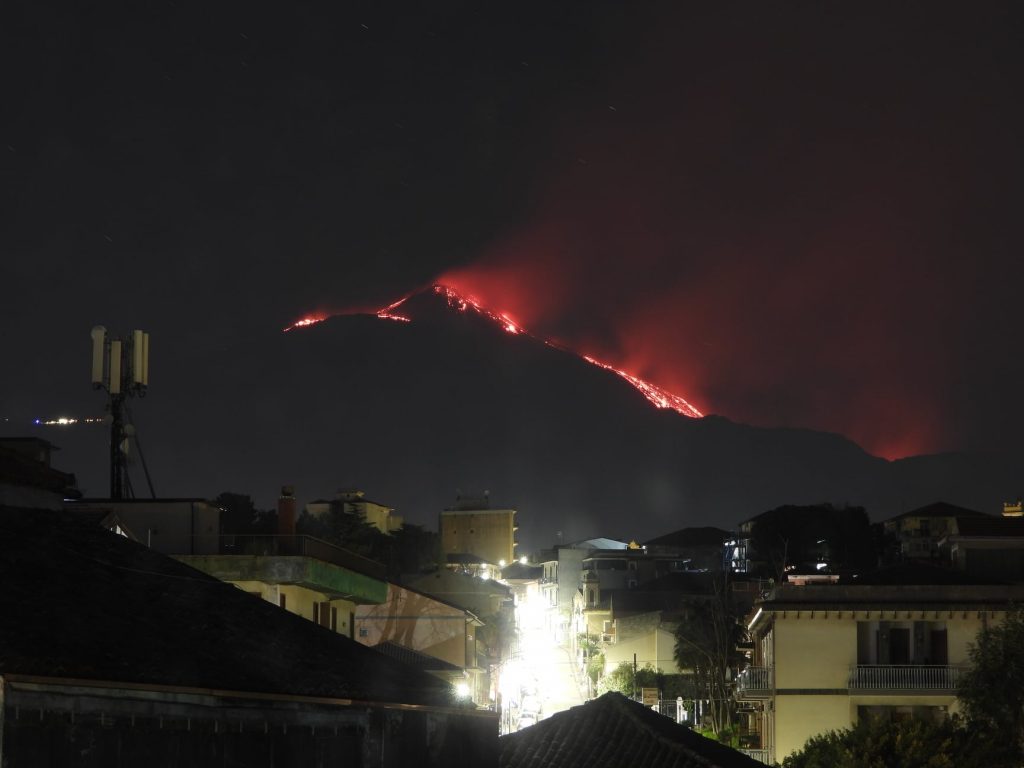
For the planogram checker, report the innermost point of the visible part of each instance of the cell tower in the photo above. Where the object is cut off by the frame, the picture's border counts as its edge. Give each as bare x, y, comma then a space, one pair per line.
121, 367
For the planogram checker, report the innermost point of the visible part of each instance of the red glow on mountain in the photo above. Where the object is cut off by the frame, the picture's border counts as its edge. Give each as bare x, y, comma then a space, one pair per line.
657, 396
388, 313
306, 321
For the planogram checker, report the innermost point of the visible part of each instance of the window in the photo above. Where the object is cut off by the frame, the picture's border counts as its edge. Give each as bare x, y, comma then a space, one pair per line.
363, 632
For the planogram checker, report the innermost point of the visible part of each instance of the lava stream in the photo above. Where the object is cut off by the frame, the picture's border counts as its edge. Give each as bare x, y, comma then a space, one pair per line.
657, 396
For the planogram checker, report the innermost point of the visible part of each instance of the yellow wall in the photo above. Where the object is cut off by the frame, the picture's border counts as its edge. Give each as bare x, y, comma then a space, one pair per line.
419, 622
487, 533
798, 718
818, 653
814, 653
656, 649
300, 600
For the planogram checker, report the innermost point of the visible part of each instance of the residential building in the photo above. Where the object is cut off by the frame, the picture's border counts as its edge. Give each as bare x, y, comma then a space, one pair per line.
804, 539
702, 548
986, 547
487, 599
141, 660
26, 477
915, 535
180, 526
891, 645
471, 527
354, 501
422, 623
304, 575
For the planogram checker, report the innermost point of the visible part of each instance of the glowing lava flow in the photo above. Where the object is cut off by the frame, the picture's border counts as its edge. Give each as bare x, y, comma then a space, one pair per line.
388, 312
307, 320
659, 397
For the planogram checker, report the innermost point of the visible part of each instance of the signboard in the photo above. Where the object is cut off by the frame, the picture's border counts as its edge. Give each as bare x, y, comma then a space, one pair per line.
649, 697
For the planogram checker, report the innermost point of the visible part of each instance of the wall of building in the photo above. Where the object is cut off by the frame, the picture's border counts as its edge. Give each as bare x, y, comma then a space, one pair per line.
486, 533
814, 653
162, 729
419, 622
173, 526
300, 601
799, 717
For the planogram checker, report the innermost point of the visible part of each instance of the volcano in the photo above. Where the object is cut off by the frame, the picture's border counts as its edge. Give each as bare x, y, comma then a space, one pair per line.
433, 394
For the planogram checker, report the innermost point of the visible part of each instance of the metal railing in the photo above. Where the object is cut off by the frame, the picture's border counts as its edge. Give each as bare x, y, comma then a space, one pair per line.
755, 679
896, 677
761, 755
300, 546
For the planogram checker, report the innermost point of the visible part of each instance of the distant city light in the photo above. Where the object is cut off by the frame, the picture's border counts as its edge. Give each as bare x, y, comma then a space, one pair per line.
65, 421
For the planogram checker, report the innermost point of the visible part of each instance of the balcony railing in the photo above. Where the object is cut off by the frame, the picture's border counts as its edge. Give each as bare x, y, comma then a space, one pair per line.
902, 677
755, 680
300, 546
761, 755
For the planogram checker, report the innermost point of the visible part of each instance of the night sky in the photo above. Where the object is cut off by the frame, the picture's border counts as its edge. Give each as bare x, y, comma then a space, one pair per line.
792, 214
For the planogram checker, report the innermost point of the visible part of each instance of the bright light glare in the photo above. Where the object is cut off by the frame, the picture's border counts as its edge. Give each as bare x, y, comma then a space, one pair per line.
462, 690
523, 560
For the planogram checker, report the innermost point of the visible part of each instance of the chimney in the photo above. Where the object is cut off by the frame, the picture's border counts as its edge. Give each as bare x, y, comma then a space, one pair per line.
286, 511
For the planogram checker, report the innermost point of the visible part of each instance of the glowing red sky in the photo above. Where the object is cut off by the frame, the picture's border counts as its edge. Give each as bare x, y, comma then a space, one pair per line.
806, 249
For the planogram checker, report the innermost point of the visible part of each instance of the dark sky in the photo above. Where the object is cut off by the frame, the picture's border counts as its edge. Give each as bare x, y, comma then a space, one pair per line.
799, 214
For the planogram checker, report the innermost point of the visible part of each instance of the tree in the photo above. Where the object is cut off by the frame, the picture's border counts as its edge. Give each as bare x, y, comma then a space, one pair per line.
992, 689
706, 639
239, 515
914, 743
623, 680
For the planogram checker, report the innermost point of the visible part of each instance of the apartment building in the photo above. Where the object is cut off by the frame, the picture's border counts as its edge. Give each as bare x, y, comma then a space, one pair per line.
471, 527
827, 655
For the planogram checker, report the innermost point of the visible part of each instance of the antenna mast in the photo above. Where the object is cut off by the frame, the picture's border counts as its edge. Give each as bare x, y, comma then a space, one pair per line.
121, 367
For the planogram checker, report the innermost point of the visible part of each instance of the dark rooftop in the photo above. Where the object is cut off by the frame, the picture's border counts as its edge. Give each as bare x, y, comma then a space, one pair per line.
614, 732
26, 462
518, 572
82, 602
1012, 527
706, 536
940, 509
917, 574
414, 658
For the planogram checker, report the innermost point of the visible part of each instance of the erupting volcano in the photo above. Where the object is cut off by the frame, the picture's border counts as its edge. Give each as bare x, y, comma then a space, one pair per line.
657, 396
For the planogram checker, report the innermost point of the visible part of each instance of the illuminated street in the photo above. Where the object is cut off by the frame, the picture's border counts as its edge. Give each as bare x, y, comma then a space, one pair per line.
540, 679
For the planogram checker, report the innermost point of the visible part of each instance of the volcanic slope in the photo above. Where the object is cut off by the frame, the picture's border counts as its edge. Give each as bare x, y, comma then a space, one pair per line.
413, 409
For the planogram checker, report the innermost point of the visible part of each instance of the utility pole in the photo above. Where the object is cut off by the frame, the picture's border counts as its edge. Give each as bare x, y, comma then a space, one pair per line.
121, 367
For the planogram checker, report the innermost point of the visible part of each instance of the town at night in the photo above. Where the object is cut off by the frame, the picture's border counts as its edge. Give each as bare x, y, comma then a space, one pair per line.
590, 385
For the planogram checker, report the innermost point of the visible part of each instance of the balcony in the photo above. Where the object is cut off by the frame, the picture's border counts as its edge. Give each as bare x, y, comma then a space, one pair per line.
904, 677
761, 755
755, 682
300, 546
301, 560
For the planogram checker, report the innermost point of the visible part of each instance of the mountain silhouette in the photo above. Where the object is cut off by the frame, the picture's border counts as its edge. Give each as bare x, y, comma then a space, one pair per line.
451, 400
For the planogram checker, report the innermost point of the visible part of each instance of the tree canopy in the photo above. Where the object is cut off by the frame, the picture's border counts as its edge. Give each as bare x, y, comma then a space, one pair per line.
992, 689
706, 639
913, 743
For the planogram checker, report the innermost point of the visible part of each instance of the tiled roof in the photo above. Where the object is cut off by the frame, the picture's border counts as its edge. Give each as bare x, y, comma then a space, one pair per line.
614, 732
82, 602
415, 658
